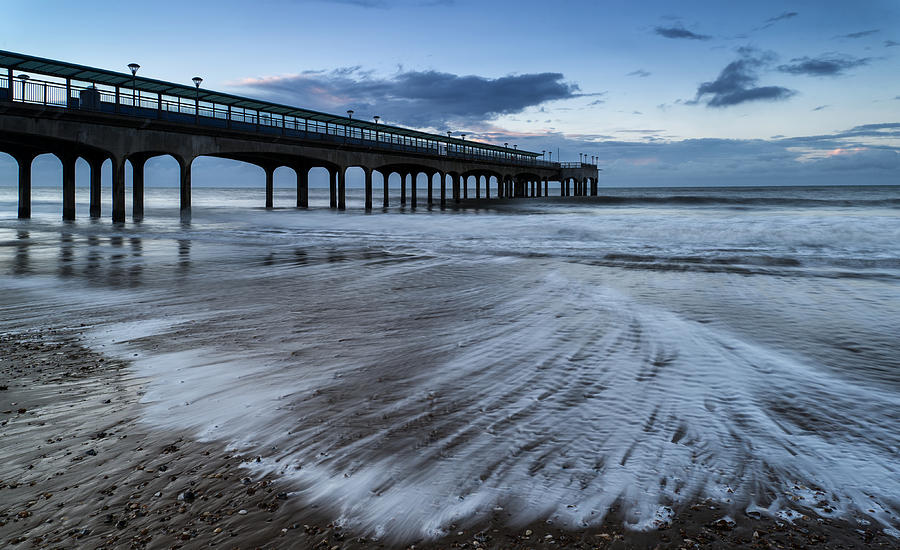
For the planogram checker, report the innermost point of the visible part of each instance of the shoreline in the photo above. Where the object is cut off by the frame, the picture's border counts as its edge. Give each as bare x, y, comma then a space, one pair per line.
78, 469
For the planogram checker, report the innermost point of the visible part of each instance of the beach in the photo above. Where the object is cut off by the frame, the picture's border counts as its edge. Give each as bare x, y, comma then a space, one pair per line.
503, 377
80, 471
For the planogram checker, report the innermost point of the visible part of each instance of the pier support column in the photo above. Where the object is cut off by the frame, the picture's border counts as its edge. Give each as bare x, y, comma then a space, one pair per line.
546, 187
386, 188
403, 189
302, 186
185, 188
342, 188
68, 165
460, 187
137, 186
594, 185
118, 191
96, 164
368, 175
465, 187
478, 187
332, 188
270, 186
412, 189
430, 184
24, 161
487, 187
443, 189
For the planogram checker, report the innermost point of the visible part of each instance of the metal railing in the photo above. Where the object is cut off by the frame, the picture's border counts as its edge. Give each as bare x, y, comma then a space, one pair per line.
577, 165
130, 102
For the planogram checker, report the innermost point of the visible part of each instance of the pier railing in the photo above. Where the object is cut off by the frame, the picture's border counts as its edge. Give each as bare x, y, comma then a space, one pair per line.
131, 102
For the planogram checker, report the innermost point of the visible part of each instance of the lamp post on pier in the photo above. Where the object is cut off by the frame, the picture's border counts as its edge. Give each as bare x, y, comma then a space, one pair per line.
133, 67
377, 118
197, 80
24, 78
349, 125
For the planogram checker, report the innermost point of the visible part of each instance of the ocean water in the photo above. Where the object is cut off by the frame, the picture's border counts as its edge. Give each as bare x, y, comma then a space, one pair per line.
536, 359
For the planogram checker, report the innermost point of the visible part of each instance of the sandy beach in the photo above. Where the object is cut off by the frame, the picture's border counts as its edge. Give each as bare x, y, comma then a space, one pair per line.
78, 470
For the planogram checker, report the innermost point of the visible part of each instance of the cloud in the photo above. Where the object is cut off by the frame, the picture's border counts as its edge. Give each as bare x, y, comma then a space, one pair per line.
736, 83
596, 102
417, 98
640, 73
678, 31
824, 65
782, 17
388, 4
821, 108
864, 154
890, 43
772, 20
859, 34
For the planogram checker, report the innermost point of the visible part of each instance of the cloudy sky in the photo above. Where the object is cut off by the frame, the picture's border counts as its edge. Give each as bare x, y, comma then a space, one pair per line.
664, 93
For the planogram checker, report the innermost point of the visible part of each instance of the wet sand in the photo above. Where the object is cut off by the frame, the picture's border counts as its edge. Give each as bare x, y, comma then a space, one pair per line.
79, 470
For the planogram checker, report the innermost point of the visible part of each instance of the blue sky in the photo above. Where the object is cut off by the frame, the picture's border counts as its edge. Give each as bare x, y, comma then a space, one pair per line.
664, 93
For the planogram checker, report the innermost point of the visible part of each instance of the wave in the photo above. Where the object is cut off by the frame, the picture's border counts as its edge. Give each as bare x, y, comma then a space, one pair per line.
785, 202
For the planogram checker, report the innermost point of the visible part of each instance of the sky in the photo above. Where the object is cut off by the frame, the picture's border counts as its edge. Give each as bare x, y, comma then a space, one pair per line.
662, 93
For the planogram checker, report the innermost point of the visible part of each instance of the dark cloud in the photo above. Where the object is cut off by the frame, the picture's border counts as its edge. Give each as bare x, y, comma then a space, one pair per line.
678, 31
736, 83
890, 43
596, 102
824, 65
416, 98
821, 108
859, 34
640, 72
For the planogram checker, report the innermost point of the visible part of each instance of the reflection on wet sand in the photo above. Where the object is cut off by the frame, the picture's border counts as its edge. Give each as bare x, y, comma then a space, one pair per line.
184, 256
23, 241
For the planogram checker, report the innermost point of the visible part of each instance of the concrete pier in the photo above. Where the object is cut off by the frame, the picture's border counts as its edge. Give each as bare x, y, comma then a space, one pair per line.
73, 111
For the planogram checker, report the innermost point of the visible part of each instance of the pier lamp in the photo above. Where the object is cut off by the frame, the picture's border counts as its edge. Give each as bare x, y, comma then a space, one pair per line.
350, 116
506, 146
449, 133
551, 155
377, 118
197, 80
133, 67
24, 78
543, 153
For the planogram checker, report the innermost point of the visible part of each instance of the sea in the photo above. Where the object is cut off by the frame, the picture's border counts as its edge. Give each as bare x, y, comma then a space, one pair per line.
545, 359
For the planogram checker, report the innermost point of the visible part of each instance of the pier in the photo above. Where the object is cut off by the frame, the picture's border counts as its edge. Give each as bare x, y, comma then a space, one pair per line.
74, 111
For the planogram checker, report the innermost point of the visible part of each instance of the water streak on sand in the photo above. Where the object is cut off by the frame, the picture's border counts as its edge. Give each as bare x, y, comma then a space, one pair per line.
541, 360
